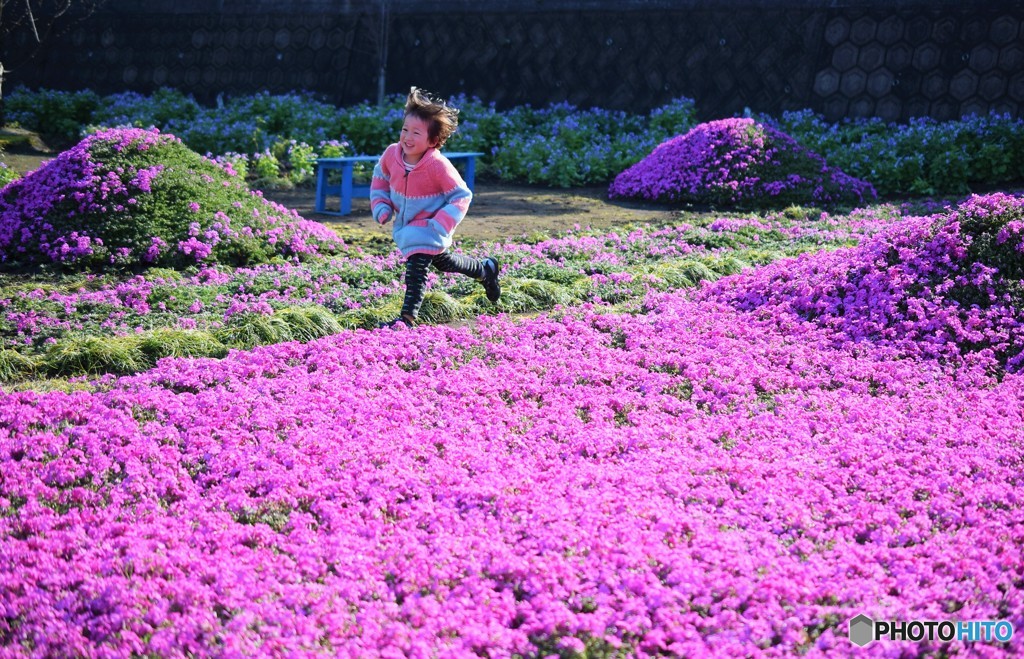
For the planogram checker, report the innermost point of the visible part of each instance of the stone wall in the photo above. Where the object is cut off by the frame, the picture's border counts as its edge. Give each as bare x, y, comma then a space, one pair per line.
896, 59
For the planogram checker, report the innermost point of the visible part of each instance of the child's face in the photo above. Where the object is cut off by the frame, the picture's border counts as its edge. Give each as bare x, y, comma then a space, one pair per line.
415, 138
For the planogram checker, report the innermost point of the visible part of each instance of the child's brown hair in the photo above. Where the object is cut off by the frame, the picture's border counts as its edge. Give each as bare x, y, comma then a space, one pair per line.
443, 118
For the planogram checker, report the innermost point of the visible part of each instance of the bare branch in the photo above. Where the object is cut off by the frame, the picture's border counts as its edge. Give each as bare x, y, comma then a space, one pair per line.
32, 20
45, 17
62, 10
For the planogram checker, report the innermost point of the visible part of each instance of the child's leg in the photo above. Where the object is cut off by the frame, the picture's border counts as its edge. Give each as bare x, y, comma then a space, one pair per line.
486, 271
463, 265
415, 284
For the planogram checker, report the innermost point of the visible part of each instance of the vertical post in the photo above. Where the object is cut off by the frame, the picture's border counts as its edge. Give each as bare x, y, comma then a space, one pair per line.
382, 49
3, 108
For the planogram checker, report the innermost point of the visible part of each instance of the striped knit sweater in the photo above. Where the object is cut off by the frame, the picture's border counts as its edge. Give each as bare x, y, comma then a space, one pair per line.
426, 204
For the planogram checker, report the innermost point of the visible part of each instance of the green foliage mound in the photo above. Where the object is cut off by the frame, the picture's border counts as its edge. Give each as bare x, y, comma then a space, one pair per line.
137, 198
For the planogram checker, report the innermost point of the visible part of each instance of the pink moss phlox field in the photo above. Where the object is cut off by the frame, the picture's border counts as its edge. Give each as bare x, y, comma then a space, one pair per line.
738, 161
697, 480
138, 198
936, 286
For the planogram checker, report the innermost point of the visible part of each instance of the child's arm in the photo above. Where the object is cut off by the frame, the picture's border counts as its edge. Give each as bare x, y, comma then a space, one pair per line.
380, 190
457, 198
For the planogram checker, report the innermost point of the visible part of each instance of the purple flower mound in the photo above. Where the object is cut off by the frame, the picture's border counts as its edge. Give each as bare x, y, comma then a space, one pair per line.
946, 286
138, 198
738, 162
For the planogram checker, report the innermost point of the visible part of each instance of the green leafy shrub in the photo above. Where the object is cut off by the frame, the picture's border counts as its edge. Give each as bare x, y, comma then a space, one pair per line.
157, 110
236, 163
923, 156
137, 198
563, 146
298, 159
50, 112
333, 149
7, 174
557, 146
265, 166
369, 128
251, 124
480, 126
674, 118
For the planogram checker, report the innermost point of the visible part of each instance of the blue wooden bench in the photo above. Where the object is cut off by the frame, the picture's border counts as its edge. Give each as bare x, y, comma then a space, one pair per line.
349, 191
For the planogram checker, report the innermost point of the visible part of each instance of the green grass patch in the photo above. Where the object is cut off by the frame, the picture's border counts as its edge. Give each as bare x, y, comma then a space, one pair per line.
439, 307
251, 330
15, 366
93, 355
166, 342
371, 316
309, 322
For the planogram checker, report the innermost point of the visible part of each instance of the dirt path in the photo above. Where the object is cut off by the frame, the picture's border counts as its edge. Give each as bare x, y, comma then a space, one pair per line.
502, 211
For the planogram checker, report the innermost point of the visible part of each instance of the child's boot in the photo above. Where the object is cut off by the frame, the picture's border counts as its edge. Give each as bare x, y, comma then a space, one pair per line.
491, 283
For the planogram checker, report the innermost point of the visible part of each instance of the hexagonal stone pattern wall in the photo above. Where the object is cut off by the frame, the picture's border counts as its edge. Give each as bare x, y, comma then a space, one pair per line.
892, 60
943, 64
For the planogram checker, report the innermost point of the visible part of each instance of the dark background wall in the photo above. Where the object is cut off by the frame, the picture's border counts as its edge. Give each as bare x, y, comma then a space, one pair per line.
896, 59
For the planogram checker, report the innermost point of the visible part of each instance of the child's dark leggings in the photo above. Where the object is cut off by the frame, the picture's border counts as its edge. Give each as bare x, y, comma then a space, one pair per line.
416, 275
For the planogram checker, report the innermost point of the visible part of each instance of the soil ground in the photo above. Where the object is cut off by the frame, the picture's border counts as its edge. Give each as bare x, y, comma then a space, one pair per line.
501, 211
498, 211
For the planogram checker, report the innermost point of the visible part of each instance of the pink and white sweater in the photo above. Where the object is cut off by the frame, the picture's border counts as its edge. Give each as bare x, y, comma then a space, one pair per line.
425, 203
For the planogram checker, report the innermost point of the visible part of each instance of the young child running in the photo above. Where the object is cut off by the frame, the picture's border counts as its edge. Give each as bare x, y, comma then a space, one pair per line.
424, 196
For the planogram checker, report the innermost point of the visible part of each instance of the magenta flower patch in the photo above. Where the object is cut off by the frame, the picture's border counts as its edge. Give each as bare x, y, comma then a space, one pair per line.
945, 286
738, 162
696, 481
139, 198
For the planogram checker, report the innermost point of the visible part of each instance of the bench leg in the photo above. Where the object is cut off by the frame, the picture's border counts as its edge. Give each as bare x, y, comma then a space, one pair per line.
470, 172
346, 188
321, 189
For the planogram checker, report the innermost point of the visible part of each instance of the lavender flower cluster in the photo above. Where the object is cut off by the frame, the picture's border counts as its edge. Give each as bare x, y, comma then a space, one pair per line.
137, 197
738, 162
699, 480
